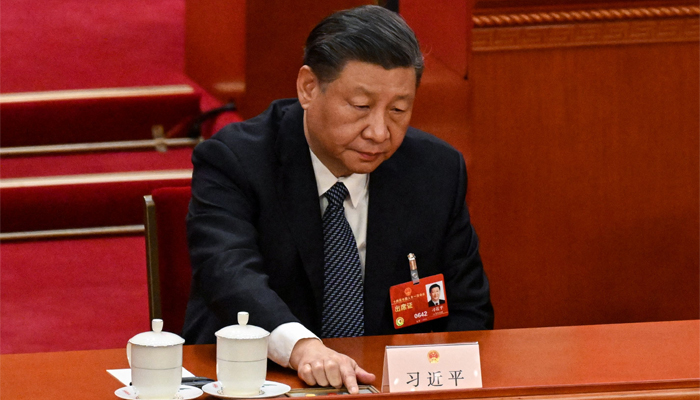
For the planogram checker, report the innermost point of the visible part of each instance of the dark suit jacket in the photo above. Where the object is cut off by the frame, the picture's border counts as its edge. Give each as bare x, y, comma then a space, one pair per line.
432, 304
256, 241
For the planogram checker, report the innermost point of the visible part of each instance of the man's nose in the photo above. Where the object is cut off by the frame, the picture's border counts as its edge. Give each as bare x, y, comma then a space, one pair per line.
376, 129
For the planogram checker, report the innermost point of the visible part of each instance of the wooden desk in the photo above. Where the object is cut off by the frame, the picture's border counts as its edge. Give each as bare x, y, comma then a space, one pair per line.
659, 360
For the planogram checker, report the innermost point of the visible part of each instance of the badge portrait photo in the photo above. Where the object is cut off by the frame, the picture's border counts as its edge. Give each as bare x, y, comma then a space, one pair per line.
436, 294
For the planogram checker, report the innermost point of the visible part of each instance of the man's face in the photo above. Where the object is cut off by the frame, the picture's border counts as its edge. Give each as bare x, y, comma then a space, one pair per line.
357, 121
435, 294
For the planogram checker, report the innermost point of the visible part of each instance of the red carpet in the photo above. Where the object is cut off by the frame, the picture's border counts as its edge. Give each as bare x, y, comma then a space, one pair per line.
85, 205
106, 119
72, 294
89, 293
95, 163
76, 44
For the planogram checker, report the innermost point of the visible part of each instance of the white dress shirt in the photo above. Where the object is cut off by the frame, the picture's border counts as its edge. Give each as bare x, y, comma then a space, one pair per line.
285, 336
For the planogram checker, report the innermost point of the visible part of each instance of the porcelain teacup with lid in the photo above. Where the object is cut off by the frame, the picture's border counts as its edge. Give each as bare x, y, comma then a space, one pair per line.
155, 359
241, 357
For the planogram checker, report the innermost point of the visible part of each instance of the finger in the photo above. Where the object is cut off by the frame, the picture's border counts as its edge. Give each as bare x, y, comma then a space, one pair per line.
333, 373
349, 380
364, 376
307, 375
319, 373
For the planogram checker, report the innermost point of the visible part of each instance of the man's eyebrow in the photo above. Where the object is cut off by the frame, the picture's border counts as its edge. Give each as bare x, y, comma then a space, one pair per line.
366, 92
363, 90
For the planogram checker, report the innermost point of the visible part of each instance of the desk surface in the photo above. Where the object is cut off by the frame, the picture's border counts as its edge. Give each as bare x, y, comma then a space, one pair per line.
658, 357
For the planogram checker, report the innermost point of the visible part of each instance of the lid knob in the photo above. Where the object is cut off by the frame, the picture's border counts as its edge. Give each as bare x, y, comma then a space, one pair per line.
242, 330
157, 325
156, 337
243, 318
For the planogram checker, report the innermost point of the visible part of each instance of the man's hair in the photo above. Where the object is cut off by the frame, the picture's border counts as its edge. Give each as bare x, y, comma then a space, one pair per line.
434, 285
370, 34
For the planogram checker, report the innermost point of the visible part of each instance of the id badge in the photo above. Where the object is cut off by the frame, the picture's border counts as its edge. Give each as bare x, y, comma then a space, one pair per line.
413, 303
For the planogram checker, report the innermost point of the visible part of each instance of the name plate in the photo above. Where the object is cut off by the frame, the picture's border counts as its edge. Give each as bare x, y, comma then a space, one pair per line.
431, 367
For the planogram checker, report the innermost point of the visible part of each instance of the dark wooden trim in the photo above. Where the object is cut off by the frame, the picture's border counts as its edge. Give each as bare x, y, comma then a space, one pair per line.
161, 145
152, 261
555, 29
101, 93
577, 16
72, 233
680, 389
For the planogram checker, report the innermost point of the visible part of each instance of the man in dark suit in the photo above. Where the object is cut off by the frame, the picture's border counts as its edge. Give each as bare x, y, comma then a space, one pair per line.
258, 242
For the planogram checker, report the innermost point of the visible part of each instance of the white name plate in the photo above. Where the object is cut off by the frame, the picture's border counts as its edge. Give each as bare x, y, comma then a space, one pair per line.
431, 367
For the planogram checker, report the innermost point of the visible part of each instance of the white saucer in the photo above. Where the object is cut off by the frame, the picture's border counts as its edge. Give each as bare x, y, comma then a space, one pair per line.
185, 393
269, 389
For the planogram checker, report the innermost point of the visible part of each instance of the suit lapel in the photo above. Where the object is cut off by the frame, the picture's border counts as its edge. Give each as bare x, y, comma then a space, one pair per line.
385, 220
298, 196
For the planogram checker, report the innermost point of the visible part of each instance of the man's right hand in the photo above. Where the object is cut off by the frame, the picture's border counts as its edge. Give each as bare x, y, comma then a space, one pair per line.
316, 364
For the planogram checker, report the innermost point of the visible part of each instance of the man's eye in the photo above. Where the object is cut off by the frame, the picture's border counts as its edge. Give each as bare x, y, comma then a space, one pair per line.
362, 107
397, 110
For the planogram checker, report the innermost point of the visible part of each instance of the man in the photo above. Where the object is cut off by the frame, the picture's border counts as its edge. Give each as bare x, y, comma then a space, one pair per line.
435, 296
335, 174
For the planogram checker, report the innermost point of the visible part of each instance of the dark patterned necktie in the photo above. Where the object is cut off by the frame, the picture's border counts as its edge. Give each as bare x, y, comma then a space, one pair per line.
343, 303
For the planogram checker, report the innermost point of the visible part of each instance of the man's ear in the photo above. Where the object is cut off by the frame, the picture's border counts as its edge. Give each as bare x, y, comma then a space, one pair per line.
308, 86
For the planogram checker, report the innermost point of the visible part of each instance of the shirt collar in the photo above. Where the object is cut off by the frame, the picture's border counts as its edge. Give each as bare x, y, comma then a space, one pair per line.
356, 183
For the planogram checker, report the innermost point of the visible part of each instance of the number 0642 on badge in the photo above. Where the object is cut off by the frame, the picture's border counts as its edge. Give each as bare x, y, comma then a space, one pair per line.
415, 303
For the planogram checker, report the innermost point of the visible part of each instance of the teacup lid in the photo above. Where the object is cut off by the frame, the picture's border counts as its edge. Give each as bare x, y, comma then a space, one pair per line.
156, 338
242, 330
